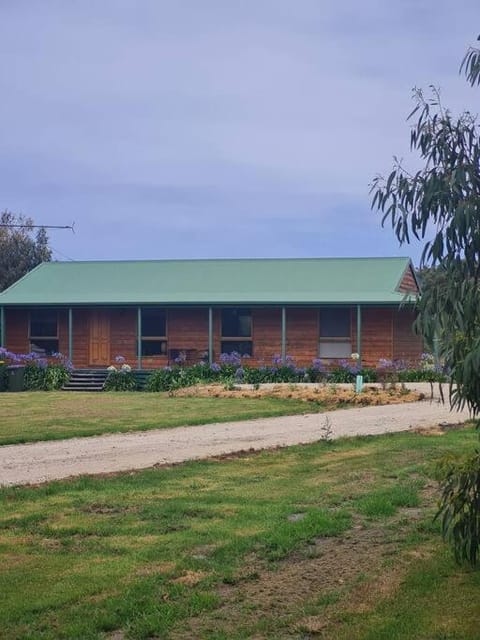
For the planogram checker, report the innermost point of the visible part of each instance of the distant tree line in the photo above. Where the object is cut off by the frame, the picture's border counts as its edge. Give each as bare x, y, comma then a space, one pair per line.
21, 247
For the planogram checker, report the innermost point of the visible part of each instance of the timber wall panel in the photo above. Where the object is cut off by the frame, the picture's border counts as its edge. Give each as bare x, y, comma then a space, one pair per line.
302, 334
123, 334
377, 335
386, 333
81, 337
267, 335
406, 345
188, 329
16, 329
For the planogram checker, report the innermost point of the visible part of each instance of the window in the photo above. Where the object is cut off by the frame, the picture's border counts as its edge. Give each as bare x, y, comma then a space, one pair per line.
335, 333
237, 331
154, 332
44, 331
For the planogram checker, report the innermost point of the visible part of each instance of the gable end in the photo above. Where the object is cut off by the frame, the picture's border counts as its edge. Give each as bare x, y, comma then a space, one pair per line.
408, 283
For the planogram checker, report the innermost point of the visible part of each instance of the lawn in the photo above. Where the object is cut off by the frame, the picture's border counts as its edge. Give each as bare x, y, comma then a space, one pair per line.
330, 540
33, 416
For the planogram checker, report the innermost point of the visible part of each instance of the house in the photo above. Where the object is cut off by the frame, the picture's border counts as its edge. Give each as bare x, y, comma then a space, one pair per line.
152, 311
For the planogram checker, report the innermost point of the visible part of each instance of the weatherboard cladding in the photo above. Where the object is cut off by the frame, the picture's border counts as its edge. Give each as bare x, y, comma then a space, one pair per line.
386, 333
178, 282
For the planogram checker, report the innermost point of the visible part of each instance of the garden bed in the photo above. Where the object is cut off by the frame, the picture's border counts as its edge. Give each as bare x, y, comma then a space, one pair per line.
329, 396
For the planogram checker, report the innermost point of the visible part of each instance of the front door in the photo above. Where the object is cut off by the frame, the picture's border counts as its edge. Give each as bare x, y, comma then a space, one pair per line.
99, 338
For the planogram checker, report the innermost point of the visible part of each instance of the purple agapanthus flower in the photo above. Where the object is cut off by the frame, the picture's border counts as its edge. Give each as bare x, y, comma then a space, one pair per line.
215, 367
317, 364
385, 363
119, 359
231, 358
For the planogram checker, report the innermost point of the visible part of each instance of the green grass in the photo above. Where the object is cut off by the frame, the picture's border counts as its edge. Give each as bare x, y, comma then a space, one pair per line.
150, 554
33, 416
385, 502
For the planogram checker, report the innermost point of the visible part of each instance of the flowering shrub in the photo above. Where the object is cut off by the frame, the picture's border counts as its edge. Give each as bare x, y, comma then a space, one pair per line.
426, 370
235, 369
40, 374
121, 378
171, 378
43, 375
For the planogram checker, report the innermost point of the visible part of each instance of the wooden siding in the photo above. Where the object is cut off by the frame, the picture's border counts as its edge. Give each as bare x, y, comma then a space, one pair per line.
302, 334
123, 334
81, 337
16, 330
408, 283
267, 334
187, 330
377, 335
407, 345
386, 333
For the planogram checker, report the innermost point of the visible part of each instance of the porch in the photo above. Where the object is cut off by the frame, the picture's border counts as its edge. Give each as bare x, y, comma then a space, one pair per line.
151, 336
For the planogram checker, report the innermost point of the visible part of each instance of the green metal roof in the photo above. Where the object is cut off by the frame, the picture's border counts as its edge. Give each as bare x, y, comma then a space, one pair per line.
247, 281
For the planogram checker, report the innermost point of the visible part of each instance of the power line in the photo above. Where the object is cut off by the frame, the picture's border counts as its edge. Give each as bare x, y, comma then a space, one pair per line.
64, 255
38, 226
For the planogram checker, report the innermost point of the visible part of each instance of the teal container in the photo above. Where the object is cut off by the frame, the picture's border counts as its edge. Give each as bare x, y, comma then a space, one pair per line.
16, 378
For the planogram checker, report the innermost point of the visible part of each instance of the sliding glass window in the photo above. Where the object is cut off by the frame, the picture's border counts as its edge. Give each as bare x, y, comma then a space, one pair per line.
154, 332
237, 331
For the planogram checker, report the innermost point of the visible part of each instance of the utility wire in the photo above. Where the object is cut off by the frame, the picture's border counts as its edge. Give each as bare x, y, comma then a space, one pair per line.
64, 255
38, 226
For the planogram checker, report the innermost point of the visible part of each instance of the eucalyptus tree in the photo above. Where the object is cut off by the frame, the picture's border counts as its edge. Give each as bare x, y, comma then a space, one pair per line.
438, 203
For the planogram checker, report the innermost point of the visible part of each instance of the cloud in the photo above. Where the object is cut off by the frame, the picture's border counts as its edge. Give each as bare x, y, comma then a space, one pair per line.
222, 127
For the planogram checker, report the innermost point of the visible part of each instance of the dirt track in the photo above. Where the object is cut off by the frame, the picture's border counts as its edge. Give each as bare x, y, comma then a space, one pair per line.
44, 461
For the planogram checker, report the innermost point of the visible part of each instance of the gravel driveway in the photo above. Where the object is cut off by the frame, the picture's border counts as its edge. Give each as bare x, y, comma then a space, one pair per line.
44, 461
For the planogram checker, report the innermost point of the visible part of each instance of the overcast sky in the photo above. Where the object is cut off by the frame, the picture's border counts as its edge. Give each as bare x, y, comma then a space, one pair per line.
217, 128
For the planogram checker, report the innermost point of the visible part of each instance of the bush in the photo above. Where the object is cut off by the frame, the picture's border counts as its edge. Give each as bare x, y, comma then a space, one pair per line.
121, 380
44, 375
56, 375
459, 510
425, 370
34, 377
235, 369
40, 376
171, 378
421, 375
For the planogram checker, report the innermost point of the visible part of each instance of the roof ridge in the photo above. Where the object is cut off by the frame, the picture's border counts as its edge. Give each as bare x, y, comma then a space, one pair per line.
268, 259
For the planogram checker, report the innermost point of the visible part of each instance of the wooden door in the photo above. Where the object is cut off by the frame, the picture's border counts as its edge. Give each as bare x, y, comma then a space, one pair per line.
99, 338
